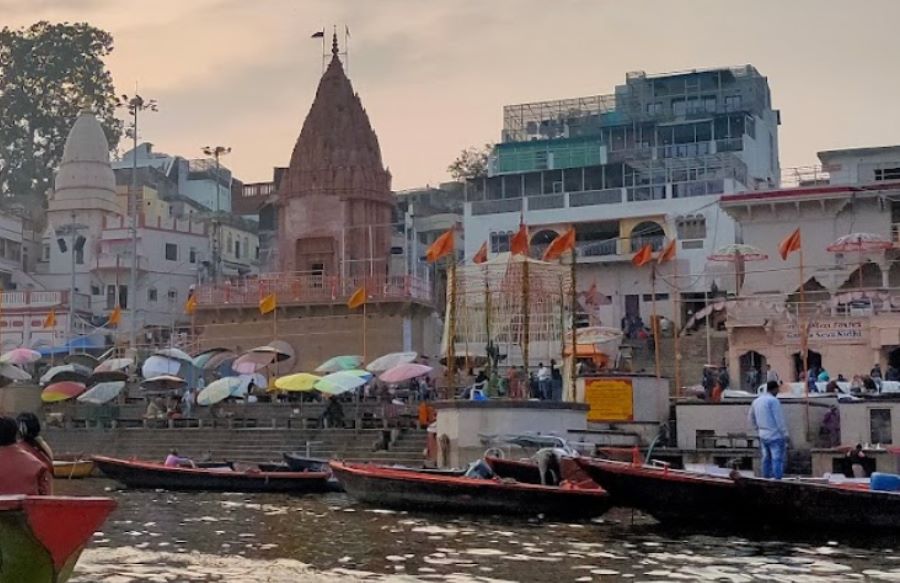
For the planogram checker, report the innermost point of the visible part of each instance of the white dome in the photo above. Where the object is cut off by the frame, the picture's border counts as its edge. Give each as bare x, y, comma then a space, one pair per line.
85, 171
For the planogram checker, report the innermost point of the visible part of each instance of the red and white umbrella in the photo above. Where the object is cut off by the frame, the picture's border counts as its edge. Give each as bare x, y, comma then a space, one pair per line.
404, 372
859, 243
738, 253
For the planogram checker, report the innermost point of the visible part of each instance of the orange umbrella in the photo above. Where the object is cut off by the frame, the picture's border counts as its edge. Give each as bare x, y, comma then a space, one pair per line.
62, 391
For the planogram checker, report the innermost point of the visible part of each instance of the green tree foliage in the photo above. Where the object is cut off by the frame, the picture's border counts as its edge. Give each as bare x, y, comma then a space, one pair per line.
471, 163
48, 73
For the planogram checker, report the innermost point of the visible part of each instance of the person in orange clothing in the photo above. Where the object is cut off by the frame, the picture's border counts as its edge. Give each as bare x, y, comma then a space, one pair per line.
21, 472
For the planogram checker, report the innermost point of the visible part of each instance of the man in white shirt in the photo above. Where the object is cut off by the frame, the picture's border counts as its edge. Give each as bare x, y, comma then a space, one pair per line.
767, 419
543, 379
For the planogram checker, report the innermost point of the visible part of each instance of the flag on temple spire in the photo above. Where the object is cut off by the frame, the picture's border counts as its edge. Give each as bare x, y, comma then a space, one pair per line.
443, 245
668, 253
790, 244
481, 255
643, 257
518, 245
561, 245
319, 34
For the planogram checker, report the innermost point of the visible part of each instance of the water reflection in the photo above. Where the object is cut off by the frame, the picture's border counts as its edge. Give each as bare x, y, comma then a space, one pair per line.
167, 537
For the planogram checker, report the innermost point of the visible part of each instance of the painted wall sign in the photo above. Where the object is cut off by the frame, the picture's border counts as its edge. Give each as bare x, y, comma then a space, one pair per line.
609, 399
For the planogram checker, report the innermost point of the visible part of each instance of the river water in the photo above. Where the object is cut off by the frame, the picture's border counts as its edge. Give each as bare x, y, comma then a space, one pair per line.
159, 537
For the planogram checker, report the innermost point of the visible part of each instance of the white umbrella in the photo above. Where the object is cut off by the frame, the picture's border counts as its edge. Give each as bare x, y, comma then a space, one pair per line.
65, 372
220, 390
114, 364
102, 393
14, 373
160, 365
175, 353
339, 382
383, 363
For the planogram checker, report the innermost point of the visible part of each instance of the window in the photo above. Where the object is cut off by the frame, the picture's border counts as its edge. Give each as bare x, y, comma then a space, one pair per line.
95, 290
151, 294
192, 255
732, 103
228, 243
173, 295
882, 174
691, 227
111, 297
171, 252
257, 251
659, 297
880, 426
500, 241
79, 256
45, 252
246, 247
654, 108
123, 297
237, 249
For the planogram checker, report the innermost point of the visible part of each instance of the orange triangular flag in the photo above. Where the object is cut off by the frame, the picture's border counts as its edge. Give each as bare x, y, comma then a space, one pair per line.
190, 305
481, 256
268, 304
358, 298
643, 257
560, 245
668, 253
116, 316
518, 245
443, 245
790, 244
50, 320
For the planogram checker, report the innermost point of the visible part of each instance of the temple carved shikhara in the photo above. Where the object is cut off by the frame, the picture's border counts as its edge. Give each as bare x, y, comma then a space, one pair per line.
330, 231
335, 188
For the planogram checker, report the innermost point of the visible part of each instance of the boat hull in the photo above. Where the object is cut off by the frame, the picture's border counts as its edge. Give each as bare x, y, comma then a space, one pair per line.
671, 495
72, 470
407, 489
41, 537
299, 463
136, 474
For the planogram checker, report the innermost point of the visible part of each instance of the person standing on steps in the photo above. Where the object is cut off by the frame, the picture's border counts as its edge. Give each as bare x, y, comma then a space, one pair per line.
767, 419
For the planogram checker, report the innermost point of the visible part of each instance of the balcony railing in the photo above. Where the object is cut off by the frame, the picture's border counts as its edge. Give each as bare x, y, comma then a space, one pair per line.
19, 300
598, 248
296, 288
656, 242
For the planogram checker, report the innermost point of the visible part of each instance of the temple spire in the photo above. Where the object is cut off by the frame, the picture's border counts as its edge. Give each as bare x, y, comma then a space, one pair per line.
334, 43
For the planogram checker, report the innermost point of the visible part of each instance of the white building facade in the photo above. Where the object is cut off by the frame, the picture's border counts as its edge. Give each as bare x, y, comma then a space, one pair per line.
642, 166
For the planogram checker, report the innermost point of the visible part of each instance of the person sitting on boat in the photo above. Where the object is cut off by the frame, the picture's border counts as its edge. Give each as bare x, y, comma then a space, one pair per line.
23, 473
173, 460
767, 419
30, 434
480, 469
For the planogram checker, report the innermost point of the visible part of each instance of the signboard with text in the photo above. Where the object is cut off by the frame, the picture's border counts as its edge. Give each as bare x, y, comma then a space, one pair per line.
843, 331
609, 399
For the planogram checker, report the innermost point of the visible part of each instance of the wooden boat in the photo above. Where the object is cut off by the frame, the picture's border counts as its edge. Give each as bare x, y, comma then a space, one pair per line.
141, 474
41, 537
72, 469
524, 471
671, 495
791, 503
406, 489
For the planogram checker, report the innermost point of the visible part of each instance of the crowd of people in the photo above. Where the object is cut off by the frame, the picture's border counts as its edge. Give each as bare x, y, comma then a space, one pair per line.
25, 457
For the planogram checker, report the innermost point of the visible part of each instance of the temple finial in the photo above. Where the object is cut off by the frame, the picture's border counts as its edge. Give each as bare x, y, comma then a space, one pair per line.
334, 43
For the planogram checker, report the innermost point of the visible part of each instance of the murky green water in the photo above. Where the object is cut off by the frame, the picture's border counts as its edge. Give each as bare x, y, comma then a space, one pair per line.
174, 537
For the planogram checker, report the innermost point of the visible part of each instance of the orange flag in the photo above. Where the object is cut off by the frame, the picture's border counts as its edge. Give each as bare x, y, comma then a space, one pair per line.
668, 253
358, 298
643, 257
116, 316
268, 304
443, 245
481, 255
191, 304
50, 320
518, 245
560, 245
790, 244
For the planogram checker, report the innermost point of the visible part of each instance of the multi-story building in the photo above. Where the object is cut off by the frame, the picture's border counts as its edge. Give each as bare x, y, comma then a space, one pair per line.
851, 297
643, 165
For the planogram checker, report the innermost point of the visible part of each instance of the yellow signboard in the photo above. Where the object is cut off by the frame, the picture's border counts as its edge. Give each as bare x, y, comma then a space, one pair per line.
609, 399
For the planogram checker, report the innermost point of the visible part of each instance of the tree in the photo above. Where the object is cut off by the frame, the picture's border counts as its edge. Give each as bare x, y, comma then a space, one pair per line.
471, 163
48, 74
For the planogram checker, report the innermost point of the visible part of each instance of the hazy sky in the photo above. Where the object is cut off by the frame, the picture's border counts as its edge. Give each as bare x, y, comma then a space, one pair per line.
434, 75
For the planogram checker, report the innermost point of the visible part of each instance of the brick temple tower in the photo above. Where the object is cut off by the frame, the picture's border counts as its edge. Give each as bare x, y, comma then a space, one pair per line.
334, 202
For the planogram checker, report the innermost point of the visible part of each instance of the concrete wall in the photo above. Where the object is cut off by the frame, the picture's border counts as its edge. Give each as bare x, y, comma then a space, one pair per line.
855, 421
464, 421
731, 417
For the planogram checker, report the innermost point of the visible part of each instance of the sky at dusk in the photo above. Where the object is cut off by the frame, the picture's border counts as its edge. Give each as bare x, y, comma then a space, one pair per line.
434, 75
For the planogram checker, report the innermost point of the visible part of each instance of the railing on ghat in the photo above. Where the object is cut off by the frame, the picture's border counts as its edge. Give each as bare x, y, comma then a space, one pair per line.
292, 288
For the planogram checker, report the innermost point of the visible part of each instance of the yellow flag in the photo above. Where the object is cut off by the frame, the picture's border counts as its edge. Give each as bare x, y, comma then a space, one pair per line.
268, 304
50, 320
190, 305
116, 316
358, 298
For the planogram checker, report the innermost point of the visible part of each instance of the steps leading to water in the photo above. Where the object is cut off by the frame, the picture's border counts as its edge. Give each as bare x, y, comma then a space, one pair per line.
247, 445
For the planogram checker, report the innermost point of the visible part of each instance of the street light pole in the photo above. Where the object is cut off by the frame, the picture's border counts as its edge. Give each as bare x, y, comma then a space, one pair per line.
216, 152
135, 104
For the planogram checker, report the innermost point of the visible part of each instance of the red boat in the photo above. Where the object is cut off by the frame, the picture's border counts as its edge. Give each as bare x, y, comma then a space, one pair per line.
407, 489
138, 474
41, 537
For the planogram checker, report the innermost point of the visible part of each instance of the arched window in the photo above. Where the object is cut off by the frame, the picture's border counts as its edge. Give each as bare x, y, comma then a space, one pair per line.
647, 232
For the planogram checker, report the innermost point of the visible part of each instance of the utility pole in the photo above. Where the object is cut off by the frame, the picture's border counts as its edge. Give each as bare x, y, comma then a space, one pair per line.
135, 105
216, 152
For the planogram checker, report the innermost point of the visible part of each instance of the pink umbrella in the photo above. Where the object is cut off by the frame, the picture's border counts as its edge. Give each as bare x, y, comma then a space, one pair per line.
259, 358
20, 356
859, 243
404, 372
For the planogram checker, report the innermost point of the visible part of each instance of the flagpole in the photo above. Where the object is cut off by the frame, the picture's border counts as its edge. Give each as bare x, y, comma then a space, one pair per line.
487, 320
573, 372
676, 325
526, 316
275, 320
804, 340
451, 323
653, 320
364, 331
